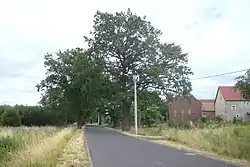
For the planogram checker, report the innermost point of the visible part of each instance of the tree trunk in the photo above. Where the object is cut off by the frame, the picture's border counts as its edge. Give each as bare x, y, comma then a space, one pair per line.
114, 122
81, 120
126, 116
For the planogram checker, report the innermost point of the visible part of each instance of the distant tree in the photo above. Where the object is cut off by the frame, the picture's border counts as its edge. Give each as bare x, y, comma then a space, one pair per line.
10, 117
72, 83
1, 110
3, 107
130, 45
243, 84
35, 115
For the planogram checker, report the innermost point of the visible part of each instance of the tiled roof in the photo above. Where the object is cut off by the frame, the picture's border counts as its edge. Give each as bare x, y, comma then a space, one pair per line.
206, 100
230, 93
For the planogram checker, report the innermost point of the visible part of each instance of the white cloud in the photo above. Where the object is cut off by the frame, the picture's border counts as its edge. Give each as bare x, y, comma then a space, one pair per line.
214, 33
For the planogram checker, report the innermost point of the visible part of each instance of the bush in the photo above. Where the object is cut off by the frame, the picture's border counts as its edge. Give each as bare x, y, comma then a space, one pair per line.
180, 124
35, 115
10, 117
217, 119
31, 116
151, 115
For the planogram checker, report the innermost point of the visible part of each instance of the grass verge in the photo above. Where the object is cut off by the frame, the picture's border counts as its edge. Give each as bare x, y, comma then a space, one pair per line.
231, 141
13, 140
75, 153
41, 152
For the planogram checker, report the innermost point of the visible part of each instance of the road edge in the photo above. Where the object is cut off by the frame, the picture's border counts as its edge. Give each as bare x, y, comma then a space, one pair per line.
89, 155
88, 151
180, 146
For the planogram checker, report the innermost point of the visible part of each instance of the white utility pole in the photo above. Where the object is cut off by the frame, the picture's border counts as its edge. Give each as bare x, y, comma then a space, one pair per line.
135, 78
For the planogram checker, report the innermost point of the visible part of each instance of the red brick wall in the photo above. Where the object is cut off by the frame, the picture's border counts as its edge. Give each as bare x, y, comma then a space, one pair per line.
183, 109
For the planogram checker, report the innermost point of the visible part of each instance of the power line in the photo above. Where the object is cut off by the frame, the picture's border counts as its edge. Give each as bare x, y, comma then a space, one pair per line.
217, 75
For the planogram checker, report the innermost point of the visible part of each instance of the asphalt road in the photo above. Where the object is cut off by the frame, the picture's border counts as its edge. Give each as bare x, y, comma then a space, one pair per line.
109, 148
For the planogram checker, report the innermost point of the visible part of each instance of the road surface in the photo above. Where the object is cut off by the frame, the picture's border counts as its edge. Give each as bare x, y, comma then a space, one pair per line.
109, 148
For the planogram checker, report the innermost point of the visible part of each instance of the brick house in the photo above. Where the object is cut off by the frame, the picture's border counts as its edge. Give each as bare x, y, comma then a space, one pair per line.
207, 107
229, 104
183, 109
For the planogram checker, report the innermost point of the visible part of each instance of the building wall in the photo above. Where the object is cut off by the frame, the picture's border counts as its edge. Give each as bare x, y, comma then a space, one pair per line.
183, 109
242, 108
220, 106
208, 113
208, 106
208, 109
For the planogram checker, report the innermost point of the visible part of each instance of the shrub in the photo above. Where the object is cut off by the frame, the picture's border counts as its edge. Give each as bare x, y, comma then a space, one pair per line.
151, 115
10, 117
180, 124
217, 119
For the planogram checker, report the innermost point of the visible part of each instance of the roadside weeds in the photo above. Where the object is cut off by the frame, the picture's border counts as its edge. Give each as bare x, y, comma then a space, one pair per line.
157, 140
75, 154
43, 153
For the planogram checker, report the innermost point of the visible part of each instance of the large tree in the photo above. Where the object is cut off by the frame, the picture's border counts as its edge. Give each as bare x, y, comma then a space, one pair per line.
72, 84
243, 84
151, 108
131, 46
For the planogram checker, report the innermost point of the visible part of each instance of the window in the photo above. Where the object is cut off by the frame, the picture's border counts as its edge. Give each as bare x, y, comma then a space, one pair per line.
189, 111
233, 107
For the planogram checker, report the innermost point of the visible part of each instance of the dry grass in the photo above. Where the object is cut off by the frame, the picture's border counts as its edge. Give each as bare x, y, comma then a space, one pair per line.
75, 153
43, 147
13, 140
232, 141
41, 151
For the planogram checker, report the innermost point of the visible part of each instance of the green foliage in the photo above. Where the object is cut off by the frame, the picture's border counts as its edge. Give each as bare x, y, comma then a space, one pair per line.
35, 115
180, 124
151, 109
72, 85
243, 84
81, 84
130, 45
3, 107
151, 116
29, 116
10, 117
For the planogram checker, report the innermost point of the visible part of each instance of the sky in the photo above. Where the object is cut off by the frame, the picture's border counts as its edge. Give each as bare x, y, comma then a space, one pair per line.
215, 34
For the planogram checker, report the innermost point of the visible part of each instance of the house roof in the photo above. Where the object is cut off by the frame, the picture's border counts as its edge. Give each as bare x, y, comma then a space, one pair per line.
181, 97
206, 100
229, 93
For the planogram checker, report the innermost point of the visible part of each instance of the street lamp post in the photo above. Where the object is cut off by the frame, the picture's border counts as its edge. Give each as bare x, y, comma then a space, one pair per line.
135, 78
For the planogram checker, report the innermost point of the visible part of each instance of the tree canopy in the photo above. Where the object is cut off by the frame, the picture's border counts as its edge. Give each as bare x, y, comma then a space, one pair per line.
130, 45
243, 84
72, 84
83, 83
